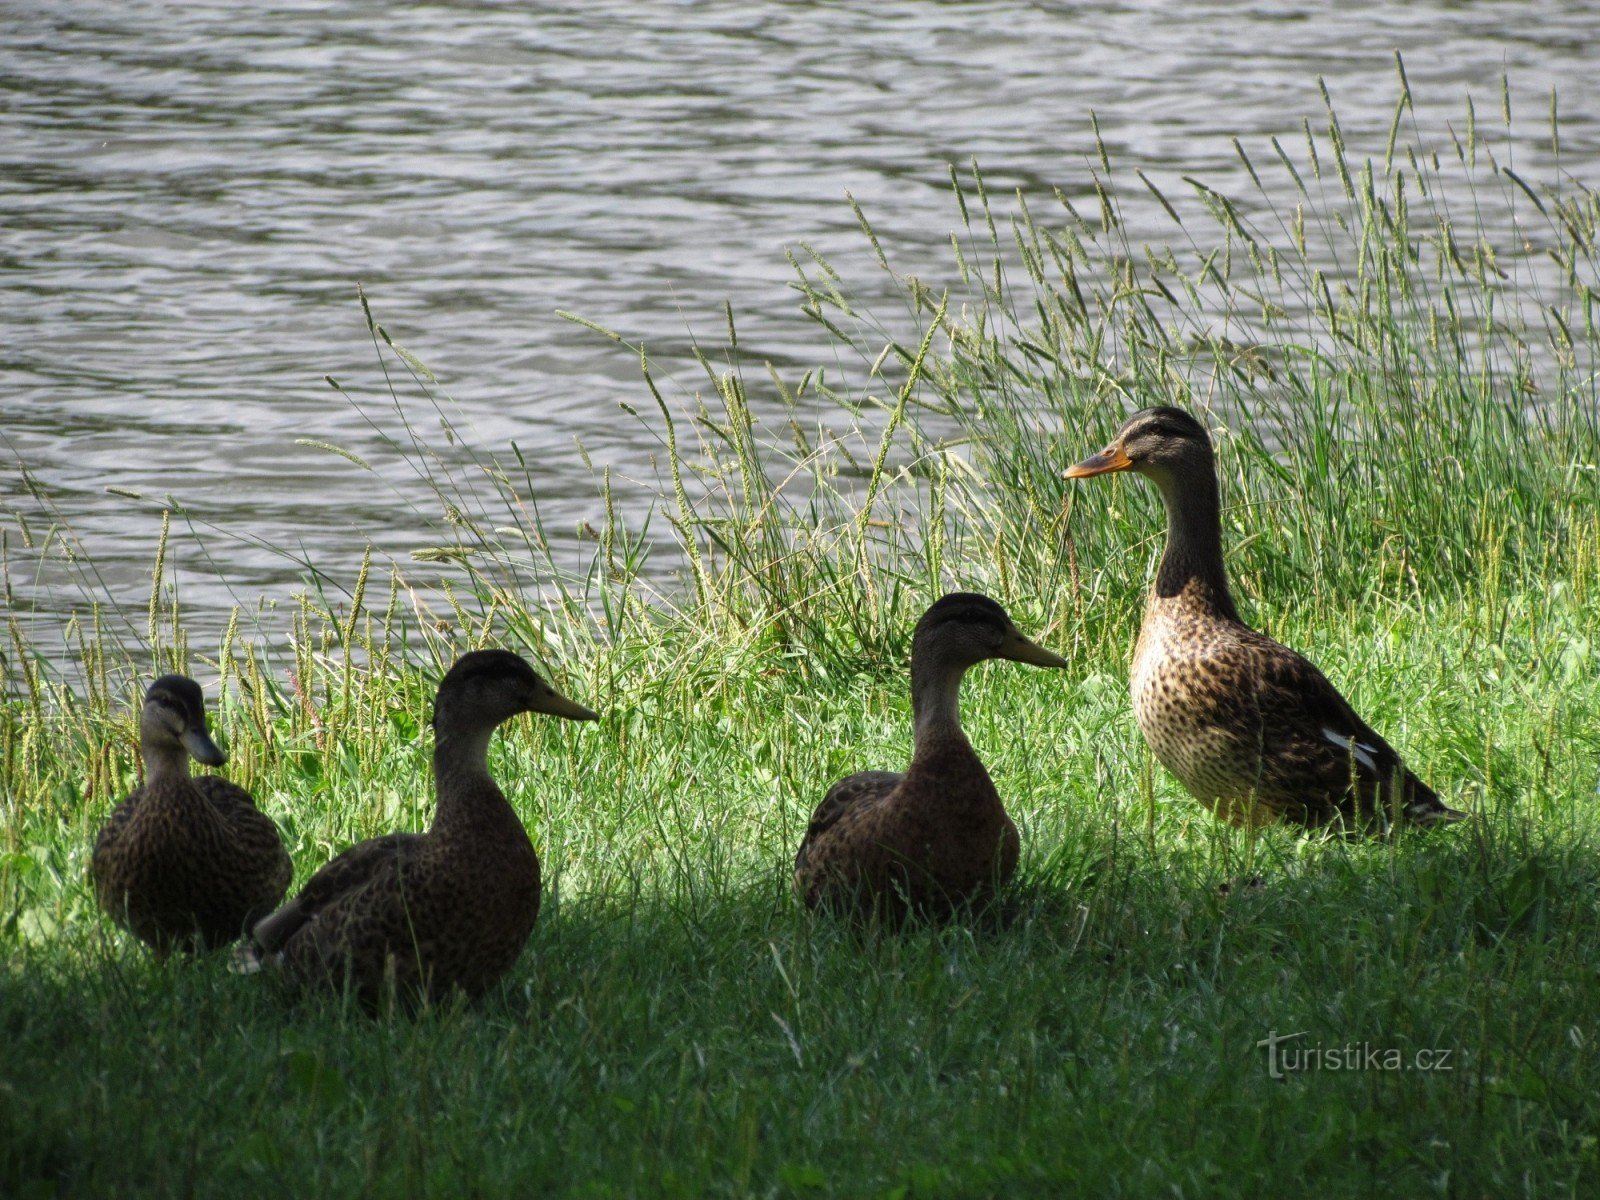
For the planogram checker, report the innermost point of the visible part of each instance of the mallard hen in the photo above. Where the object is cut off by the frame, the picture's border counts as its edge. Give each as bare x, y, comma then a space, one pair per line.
420, 915
1247, 725
185, 863
936, 836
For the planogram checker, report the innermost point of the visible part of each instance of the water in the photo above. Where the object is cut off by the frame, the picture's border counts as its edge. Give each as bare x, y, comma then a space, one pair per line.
189, 195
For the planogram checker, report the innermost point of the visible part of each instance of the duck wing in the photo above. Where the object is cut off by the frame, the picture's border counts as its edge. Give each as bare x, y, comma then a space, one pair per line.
109, 867
110, 834
1324, 750
850, 793
227, 797
345, 874
256, 837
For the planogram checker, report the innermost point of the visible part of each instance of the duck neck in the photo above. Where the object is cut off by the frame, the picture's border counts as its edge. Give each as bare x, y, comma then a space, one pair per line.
936, 699
166, 763
467, 793
1192, 565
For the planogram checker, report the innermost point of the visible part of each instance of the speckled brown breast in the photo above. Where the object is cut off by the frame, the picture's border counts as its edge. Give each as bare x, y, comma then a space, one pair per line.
190, 864
1194, 701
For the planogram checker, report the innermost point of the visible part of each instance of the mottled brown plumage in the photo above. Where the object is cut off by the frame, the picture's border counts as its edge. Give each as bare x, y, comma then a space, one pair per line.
936, 836
419, 915
184, 863
1250, 727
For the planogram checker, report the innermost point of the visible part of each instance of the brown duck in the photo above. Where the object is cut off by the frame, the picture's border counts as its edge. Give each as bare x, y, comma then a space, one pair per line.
424, 914
936, 836
1251, 728
184, 863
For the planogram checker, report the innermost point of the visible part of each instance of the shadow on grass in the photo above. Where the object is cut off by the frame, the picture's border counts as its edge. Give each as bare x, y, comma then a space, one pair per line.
1099, 1022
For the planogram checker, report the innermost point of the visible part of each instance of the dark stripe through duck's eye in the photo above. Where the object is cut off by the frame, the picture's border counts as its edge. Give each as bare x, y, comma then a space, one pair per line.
181, 695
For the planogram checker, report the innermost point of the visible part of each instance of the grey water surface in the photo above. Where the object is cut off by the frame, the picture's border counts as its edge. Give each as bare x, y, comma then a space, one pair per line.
191, 192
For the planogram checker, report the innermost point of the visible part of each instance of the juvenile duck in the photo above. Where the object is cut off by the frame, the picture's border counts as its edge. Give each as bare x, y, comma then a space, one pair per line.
937, 835
428, 913
183, 863
1251, 728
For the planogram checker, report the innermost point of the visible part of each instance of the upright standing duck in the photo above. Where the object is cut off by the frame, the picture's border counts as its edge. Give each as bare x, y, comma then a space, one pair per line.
1251, 728
936, 836
184, 863
425, 914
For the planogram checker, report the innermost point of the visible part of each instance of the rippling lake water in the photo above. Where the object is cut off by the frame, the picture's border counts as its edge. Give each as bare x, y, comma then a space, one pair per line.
190, 194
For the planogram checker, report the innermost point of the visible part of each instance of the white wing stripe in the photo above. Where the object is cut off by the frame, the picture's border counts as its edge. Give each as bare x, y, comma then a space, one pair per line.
1363, 753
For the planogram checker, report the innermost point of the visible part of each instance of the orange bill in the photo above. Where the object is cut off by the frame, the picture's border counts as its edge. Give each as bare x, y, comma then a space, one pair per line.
1110, 459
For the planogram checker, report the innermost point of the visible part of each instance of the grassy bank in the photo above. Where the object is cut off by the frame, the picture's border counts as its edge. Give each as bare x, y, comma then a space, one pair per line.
1409, 459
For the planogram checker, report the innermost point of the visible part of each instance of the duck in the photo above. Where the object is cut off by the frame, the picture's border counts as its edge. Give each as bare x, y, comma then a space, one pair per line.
1251, 728
411, 918
935, 837
184, 863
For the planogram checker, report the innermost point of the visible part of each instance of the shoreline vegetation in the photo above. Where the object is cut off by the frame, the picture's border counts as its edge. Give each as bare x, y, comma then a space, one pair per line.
1403, 398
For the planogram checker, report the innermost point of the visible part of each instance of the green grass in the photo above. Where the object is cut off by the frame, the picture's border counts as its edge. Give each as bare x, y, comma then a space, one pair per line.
1412, 498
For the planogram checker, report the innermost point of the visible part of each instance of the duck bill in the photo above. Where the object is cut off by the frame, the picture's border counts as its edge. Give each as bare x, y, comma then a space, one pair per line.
558, 705
202, 749
1019, 649
1112, 458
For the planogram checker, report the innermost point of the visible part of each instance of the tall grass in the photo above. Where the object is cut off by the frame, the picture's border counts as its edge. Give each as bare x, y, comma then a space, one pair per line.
1405, 408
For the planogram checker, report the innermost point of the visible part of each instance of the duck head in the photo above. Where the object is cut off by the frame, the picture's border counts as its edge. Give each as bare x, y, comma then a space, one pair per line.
1164, 443
174, 721
964, 628
486, 687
